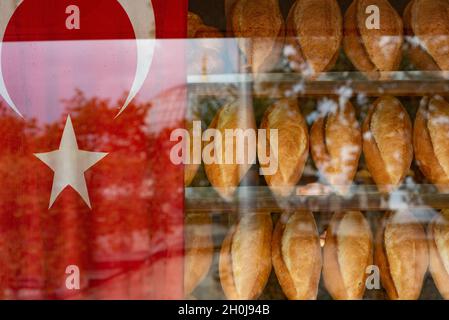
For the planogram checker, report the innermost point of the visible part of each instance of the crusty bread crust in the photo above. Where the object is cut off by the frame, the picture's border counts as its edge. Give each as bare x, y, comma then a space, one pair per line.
431, 142
429, 22
245, 257
419, 57
347, 253
336, 146
260, 31
369, 49
226, 177
315, 30
387, 143
296, 255
352, 44
402, 255
293, 145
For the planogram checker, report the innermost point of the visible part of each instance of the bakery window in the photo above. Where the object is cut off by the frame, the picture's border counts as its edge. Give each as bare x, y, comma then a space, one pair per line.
357, 205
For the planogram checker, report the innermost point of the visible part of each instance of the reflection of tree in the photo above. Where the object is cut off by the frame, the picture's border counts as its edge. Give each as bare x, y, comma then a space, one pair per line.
133, 190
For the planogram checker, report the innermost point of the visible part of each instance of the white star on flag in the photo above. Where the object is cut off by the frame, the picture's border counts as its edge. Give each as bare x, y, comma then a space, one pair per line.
69, 164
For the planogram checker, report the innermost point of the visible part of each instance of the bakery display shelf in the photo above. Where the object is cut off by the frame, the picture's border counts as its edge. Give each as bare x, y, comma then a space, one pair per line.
275, 85
363, 197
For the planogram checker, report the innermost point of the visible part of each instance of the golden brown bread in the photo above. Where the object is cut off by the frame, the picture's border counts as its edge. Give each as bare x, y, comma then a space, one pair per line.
387, 142
414, 49
190, 168
431, 141
373, 50
296, 255
204, 55
427, 23
314, 34
293, 145
198, 249
348, 251
438, 239
402, 255
245, 257
336, 145
225, 177
259, 28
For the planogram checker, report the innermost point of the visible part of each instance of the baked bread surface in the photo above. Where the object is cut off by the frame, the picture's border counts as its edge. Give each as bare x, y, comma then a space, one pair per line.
387, 142
429, 22
297, 255
336, 146
373, 50
259, 28
431, 141
314, 32
348, 251
402, 255
245, 257
226, 177
292, 144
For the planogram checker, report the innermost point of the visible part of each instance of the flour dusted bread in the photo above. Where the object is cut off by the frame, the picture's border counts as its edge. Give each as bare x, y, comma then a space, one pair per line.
198, 249
225, 177
245, 257
438, 239
314, 34
427, 25
402, 255
204, 55
431, 141
259, 28
293, 146
373, 50
387, 143
336, 145
296, 255
348, 251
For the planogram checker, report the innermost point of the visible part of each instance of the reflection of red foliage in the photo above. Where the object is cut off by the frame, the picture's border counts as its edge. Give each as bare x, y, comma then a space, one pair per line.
136, 219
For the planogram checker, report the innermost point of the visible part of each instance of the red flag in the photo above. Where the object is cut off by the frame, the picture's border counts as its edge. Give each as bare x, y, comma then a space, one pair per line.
104, 219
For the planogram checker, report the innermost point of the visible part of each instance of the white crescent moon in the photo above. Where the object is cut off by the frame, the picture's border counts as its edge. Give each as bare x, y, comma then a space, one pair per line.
141, 15
7, 9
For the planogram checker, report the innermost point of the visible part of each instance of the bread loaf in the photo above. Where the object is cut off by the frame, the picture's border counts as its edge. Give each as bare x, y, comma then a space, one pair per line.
292, 145
348, 251
438, 239
336, 145
427, 25
297, 255
314, 34
225, 177
245, 257
431, 141
402, 255
198, 249
259, 28
387, 143
371, 49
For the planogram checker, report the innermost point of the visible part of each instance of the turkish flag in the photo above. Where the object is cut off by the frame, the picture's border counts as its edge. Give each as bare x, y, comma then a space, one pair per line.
116, 68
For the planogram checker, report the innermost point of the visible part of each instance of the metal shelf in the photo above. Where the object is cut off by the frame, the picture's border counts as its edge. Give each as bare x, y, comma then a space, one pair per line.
362, 197
274, 85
